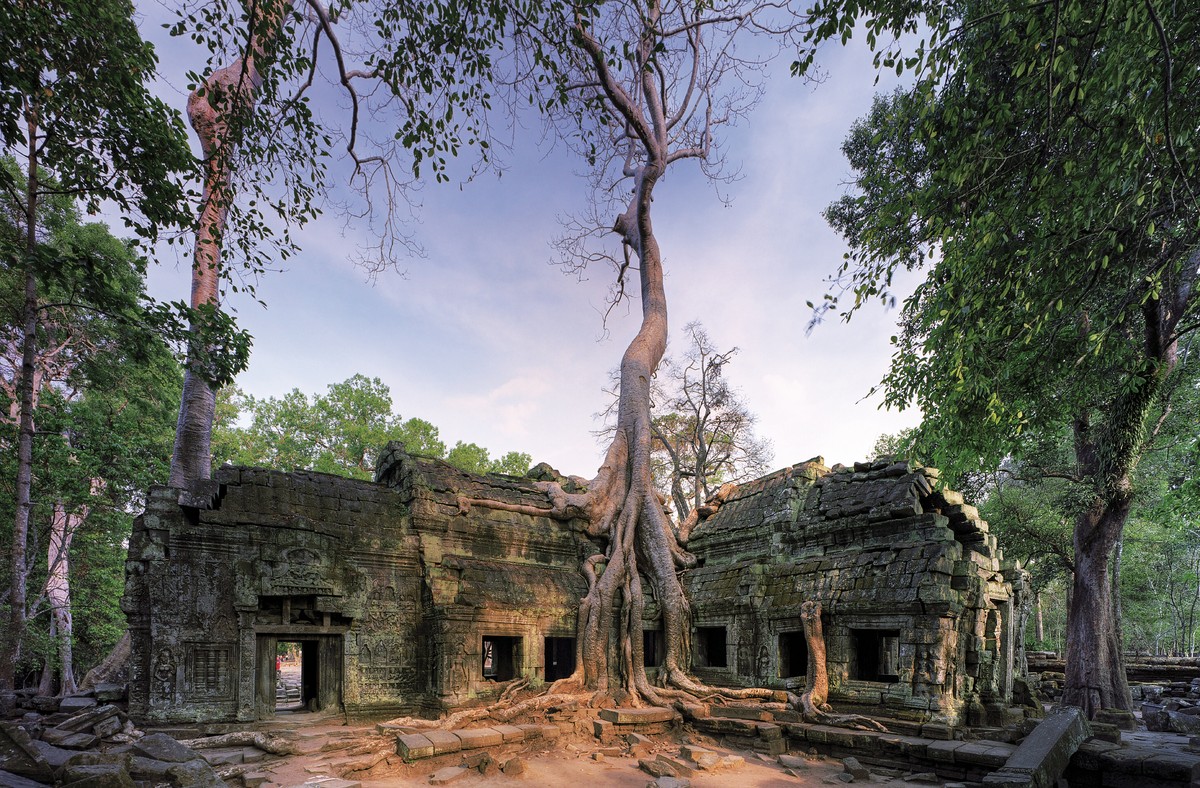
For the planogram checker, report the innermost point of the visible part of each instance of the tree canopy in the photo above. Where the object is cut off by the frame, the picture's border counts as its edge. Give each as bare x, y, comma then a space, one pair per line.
1043, 170
339, 432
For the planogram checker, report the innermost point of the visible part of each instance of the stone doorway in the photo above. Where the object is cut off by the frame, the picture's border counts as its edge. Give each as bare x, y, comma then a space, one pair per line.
318, 680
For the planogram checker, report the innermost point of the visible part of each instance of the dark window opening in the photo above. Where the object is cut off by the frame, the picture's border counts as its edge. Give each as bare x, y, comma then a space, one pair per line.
876, 654
560, 658
500, 657
710, 647
653, 649
793, 655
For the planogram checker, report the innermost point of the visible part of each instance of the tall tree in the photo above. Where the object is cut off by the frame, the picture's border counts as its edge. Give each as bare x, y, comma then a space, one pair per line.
638, 87
1041, 168
77, 115
265, 149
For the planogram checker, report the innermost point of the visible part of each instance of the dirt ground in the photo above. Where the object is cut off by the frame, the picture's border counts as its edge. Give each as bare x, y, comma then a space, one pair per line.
328, 746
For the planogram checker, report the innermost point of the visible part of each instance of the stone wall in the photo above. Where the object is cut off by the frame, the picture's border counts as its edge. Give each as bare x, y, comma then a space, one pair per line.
405, 598
390, 591
921, 616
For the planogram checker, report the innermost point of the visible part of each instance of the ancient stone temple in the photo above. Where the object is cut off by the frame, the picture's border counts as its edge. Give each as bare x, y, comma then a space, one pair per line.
403, 599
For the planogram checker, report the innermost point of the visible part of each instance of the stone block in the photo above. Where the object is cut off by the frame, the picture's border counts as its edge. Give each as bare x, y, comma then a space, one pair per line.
19, 755
1045, 753
742, 713
531, 731
102, 775
443, 741
11, 780
413, 746
448, 775
637, 716
70, 741
161, 747
550, 731
942, 751
769, 731
510, 732
474, 738
76, 703
855, 769
603, 730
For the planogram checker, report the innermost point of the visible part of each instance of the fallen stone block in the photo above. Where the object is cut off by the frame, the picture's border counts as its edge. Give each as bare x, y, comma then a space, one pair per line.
667, 781
1045, 753
473, 738
70, 741
254, 779
19, 755
792, 762
11, 780
161, 747
855, 769
513, 766
101, 775
87, 720
413, 746
195, 774
637, 716
76, 703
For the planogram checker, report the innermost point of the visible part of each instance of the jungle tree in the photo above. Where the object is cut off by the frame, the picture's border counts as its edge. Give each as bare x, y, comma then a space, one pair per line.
1043, 169
424, 66
77, 118
638, 87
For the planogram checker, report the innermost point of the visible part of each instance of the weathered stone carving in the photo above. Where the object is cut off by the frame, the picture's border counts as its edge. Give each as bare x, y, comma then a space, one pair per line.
393, 589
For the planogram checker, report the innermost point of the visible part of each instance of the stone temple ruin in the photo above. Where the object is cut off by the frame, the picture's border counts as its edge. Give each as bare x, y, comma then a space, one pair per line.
402, 600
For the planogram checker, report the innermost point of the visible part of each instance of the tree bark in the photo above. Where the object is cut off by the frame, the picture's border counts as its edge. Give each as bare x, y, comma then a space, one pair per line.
58, 593
218, 114
1039, 626
27, 397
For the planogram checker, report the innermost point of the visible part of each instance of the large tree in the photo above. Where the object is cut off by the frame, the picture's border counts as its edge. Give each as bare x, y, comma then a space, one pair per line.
1043, 169
265, 149
639, 87
76, 115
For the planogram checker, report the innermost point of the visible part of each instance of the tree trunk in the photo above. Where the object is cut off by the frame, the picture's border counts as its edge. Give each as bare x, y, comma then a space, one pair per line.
218, 114
1039, 626
1095, 665
27, 397
58, 594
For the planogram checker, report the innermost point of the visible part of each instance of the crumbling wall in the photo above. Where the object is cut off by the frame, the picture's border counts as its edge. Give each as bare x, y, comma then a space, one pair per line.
920, 612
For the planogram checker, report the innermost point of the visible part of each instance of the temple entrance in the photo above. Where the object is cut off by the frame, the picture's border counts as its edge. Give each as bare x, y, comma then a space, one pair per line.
297, 673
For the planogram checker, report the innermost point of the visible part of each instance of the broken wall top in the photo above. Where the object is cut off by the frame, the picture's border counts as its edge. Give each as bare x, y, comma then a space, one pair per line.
809, 509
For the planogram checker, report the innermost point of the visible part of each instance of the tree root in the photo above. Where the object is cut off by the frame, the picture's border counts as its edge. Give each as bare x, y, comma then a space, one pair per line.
500, 712
263, 741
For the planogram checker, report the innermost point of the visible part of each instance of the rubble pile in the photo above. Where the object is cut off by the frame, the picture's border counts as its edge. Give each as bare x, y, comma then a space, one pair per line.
1173, 707
85, 743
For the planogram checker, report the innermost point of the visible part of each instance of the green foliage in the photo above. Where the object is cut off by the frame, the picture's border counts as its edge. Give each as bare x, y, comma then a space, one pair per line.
340, 432
80, 69
106, 415
1043, 168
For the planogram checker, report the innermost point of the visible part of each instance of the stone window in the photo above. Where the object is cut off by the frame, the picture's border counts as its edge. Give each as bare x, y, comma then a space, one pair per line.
710, 648
560, 658
210, 671
793, 655
500, 657
875, 654
653, 648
